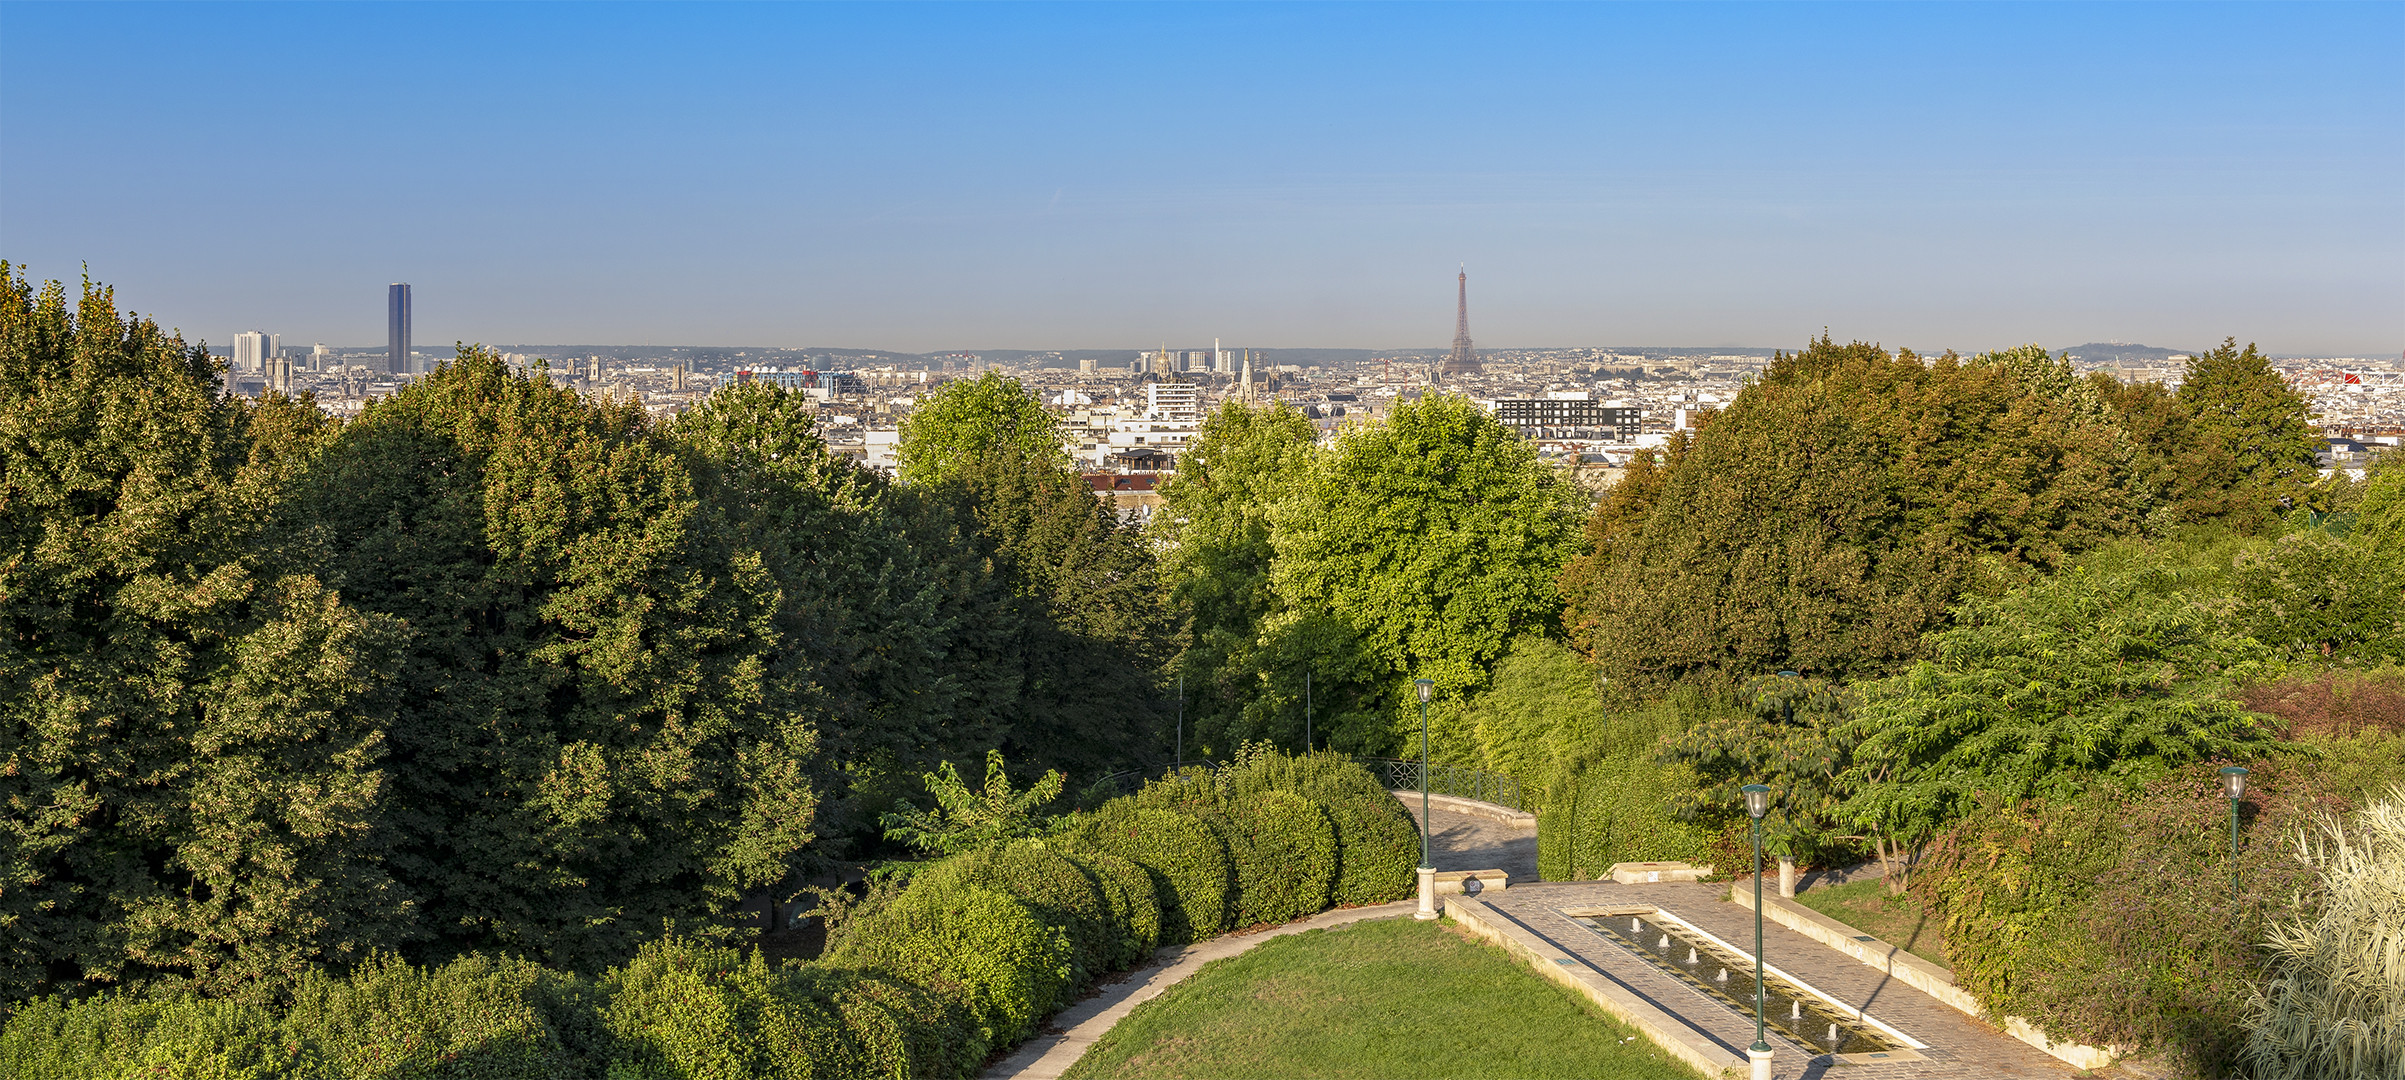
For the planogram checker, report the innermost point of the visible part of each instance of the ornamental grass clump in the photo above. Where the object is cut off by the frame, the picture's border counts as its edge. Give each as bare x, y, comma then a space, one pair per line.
2333, 1007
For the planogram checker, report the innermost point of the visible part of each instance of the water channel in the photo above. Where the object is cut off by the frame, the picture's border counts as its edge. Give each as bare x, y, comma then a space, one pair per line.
1728, 977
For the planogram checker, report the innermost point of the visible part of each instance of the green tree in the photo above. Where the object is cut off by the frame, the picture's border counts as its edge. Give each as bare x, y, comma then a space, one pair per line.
968, 421
1828, 516
1091, 626
2255, 435
1436, 537
1216, 525
586, 735
189, 761
2114, 671
1785, 732
898, 650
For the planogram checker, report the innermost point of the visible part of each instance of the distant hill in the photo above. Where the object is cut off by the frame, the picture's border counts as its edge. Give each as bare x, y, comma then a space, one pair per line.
2111, 352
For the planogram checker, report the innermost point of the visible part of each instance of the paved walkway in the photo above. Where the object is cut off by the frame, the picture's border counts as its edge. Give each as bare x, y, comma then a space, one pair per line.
1959, 1046
1467, 842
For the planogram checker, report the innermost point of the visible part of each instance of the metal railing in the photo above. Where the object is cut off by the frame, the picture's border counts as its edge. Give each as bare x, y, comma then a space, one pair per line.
1459, 781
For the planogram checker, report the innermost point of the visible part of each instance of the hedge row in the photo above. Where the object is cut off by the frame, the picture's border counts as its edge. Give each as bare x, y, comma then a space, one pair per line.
968, 958
1615, 808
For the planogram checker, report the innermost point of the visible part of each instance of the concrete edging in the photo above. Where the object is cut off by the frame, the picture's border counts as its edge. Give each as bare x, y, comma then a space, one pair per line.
1912, 971
1518, 819
1561, 967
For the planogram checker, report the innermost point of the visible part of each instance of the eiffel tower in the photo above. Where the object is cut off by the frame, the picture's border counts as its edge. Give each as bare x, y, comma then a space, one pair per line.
1463, 361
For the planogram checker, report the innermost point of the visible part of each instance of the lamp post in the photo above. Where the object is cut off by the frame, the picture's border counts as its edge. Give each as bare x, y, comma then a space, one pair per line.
2233, 781
1427, 863
1757, 803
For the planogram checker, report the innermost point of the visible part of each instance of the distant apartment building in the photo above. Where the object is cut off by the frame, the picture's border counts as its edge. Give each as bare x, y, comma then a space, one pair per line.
1172, 400
396, 328
1561, 414
252, 350
818, 385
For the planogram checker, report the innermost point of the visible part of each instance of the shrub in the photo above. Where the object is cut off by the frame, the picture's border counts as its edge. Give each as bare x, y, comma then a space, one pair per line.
900, 1030
1195, 879
2334, 1005
1285, 853
1135, 905
1617, 808
481, 1016
1377, 843
2109, 920
1060, 892
972, 941
692, 1011
120, 1035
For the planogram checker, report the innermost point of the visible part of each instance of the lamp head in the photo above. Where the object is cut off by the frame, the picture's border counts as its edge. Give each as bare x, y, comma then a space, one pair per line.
1757, 800
2233, 781
1425, 687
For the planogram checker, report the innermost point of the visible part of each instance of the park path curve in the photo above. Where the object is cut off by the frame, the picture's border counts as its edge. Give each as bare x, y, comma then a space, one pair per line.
1460, 841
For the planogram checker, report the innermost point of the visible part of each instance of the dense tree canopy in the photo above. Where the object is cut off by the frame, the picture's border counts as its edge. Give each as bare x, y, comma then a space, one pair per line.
1827, 517
587, 738
967, 421
188, 746
1434, 538
1246, 660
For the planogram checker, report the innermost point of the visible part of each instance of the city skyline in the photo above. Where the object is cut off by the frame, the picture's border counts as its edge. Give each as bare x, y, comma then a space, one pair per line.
947, 178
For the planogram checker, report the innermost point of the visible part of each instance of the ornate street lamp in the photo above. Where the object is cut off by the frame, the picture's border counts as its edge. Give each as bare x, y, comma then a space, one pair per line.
1757, 803
1427, 864
2233, 781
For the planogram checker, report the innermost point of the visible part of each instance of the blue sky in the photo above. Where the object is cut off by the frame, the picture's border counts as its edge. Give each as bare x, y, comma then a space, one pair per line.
1112, 176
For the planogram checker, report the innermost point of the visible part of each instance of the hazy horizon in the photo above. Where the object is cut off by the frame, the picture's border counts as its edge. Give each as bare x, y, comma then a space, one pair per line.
1111, 177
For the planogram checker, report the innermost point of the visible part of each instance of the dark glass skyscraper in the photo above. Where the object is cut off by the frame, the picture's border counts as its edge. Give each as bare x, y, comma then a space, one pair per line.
396, 322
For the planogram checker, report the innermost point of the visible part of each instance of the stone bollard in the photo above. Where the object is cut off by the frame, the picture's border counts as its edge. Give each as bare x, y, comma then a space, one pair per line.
1786, 877
1427, 894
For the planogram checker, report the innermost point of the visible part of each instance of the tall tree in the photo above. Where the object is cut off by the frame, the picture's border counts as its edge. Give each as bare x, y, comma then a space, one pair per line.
1092, 613
965, 422
1215, 521
586, 738
2254, 433
1435, 538
188, 769
1828, 516
900, 658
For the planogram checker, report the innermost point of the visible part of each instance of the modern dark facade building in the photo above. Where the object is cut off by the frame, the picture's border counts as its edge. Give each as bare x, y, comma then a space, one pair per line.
1540, 417
396, 325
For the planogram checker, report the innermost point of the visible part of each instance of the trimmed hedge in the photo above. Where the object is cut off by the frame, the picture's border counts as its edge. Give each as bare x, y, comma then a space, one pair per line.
1005, 960
1135, 905
116, 1035
681, 1010
1195, 880
1285, 854
1377, 842
1058, 890
966, 959
1615, 809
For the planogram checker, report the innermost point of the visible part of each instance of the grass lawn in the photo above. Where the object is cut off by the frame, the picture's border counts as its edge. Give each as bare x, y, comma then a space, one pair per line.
1381, 999
1866, 906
